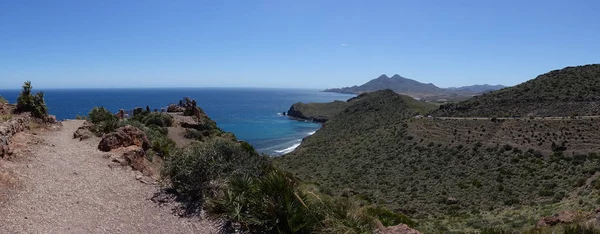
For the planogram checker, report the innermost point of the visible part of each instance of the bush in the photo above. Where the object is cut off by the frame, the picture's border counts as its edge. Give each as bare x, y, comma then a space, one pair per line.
268, 204
106, 126
193, 168
161, 144
35, 104
389, 218
158, 119
100, 114
2, 100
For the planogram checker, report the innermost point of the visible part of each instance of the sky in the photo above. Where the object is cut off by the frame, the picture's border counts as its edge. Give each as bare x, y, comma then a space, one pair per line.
290, 44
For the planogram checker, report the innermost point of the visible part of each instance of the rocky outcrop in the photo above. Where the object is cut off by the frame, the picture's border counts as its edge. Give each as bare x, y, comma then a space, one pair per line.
84, 132
175, 108
124, 137
134, 157
8, 129
563, 217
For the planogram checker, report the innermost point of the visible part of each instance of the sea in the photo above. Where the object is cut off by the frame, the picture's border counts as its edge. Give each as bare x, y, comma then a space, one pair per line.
252, 114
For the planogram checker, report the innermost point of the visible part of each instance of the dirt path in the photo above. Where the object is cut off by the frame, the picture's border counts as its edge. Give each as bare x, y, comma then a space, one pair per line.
68, 188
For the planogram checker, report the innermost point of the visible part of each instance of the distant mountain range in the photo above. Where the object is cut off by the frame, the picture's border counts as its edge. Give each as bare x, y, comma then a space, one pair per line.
415, 88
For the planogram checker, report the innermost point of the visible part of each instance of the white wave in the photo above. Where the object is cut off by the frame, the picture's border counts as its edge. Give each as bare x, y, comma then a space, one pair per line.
313, 132
279, 114
288, 150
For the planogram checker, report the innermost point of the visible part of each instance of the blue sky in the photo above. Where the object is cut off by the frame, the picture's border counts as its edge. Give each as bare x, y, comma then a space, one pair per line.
295, 44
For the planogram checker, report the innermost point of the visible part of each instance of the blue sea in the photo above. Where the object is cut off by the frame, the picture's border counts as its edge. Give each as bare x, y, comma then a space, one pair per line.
252, 114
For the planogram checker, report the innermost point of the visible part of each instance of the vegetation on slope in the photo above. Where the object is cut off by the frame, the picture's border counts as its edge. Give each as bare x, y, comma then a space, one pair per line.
566, 92
229, 179
318, 112
376, 151
321, 112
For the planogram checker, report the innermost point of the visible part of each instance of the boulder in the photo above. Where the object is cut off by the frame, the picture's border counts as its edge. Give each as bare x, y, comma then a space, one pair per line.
84, 132
132, 156
563, 217
124, 137
175, 108
135, 157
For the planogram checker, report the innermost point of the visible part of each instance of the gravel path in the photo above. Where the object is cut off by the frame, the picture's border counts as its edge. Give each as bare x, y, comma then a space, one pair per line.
70, 189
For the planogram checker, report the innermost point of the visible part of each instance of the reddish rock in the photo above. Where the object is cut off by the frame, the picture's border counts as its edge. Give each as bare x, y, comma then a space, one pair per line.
136, 158
563, 217
124, 137
175, 108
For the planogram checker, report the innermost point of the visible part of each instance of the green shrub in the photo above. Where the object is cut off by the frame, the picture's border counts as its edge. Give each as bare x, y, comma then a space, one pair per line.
193, 168
100, 114
27, 102
188, 111
106, 126
2, 100
193, 134
163, 146
158, 119
579, 229
268, 204
389, 218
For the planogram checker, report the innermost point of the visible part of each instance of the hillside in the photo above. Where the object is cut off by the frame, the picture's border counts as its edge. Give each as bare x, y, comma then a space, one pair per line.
318, 112
415, 88
475, 89
321, 112
456, 174
566, 92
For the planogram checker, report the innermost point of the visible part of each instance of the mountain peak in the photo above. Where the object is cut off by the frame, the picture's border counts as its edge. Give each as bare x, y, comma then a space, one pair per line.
383, 76
396, 76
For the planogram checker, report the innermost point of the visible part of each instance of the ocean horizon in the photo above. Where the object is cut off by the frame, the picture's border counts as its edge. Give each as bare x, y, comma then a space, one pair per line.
252, 114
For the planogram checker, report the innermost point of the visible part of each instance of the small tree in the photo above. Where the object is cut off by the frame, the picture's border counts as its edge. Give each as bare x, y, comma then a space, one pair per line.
100, 114
35, 104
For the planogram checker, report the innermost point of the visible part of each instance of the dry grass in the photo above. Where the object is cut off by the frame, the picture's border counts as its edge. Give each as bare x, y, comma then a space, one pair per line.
6, 117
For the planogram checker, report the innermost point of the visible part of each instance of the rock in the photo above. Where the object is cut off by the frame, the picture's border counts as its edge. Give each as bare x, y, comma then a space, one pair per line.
120, 114
84, 132
9, 128
563, 217
136, 158
124, 137
451, 200
51, 119
175, 108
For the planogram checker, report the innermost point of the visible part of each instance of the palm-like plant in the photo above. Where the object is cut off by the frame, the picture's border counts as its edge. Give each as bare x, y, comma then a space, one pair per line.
269, 204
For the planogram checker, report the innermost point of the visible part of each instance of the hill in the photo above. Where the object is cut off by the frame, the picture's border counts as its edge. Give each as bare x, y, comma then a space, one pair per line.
475, 89
321, 112
455, 174
318, 112
569, 91
396, 83
414, 88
